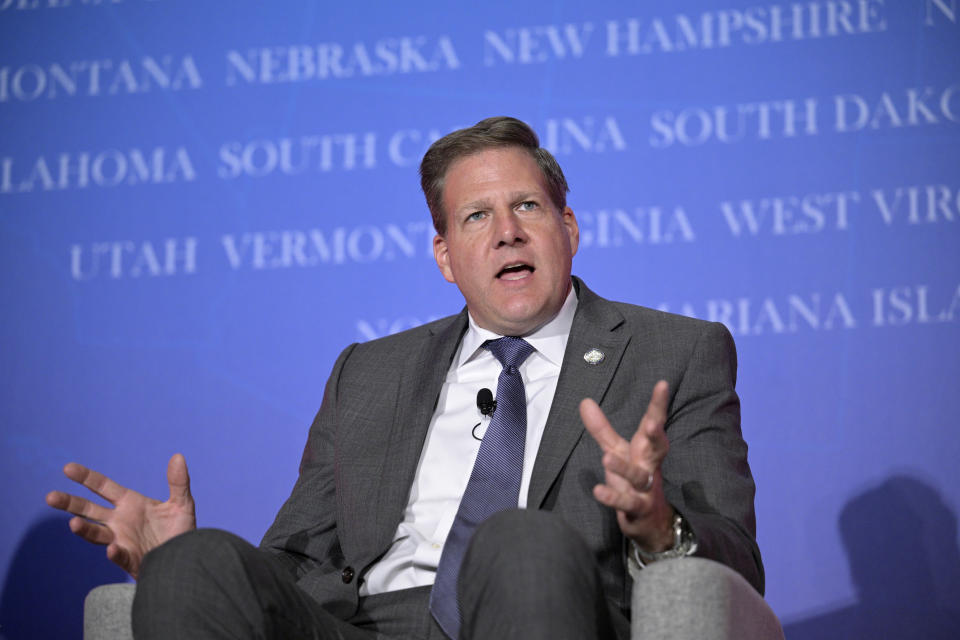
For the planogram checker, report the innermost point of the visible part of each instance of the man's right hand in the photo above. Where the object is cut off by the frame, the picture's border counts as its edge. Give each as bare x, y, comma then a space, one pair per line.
136, 524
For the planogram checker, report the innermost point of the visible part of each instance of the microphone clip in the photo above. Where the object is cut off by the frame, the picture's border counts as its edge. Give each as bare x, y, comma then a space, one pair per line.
485, 402
487, 405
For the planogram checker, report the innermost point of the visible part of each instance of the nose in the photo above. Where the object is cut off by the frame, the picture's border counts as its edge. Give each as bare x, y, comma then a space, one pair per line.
508, 229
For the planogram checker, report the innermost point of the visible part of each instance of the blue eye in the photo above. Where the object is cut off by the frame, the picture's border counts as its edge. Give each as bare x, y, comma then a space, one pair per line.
528, 205
476, 215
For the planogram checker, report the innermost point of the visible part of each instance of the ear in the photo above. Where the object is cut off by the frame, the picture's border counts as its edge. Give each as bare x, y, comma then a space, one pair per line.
573, 229
441, 254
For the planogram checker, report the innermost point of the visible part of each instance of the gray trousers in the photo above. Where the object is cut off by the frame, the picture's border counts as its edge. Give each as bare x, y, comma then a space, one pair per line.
526, 574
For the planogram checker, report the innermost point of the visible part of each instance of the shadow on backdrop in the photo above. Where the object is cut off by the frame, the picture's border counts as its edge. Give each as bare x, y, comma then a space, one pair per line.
51, 572
901, 543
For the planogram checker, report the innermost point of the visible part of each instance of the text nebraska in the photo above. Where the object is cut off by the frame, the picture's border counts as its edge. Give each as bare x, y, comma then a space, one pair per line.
99, 77
299, 63
107, 168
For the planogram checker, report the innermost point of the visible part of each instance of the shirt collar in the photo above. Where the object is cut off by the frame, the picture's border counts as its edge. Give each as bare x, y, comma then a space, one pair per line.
550, 340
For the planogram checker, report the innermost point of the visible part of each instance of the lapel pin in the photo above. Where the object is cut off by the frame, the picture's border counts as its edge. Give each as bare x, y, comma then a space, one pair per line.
594, 356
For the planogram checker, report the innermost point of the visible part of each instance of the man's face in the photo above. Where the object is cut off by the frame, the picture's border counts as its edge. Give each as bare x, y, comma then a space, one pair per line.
507, 247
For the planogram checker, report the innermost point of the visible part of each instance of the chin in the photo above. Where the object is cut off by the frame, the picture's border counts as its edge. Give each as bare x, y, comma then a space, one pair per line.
526, 324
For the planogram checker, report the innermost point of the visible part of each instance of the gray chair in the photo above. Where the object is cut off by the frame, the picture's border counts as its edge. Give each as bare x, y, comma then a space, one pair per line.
681, 599
106, 612
699, 599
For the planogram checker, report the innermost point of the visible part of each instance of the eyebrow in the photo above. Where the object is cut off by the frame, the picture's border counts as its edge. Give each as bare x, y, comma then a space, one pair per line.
486, 203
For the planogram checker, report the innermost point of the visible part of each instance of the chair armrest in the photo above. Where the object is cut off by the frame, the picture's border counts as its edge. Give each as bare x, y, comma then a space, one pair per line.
679, 599
106, 612
697, 599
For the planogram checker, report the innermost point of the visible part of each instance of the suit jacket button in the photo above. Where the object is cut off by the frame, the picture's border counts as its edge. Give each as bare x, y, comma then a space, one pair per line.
347, 575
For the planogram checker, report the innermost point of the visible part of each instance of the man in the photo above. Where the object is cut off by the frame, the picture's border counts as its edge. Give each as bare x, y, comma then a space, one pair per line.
400, 524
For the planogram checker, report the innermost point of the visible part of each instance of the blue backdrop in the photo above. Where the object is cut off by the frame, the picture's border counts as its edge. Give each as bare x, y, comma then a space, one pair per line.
202, 203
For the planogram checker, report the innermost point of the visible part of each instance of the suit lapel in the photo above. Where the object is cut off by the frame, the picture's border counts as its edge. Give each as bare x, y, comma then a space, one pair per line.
420, 384
594, 327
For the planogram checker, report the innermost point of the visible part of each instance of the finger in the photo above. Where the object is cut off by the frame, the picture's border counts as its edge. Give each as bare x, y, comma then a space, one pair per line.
649, 445
119, 556
656, 413
91, 531
635, 475
651, 440
659, 400
614, 480
599, 427
95, 481
178, 478
631, 503
77, 506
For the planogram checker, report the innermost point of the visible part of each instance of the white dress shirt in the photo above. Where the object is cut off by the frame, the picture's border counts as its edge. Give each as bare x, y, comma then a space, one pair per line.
450, 448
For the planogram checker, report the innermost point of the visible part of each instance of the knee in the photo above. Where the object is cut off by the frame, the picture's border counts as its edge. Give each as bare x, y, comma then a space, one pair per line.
527, 534
190, 582
196, 544
525, 567
194, 554
526, 542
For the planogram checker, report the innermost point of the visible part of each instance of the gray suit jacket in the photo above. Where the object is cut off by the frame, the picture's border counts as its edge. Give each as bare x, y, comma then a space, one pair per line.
365, 443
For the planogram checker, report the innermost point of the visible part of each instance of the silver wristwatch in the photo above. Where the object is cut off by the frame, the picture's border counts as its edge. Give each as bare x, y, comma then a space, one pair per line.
684, 544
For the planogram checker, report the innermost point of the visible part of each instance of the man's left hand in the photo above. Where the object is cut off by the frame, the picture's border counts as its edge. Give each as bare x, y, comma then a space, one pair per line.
633, 485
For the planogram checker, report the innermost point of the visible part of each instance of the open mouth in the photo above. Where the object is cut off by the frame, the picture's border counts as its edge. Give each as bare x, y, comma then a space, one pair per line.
515, 271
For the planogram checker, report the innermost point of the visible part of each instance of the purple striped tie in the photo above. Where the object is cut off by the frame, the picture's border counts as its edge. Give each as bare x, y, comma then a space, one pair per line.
494, 482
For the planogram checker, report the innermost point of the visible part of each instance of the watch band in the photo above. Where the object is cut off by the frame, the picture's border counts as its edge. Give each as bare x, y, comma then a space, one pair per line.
684, 544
